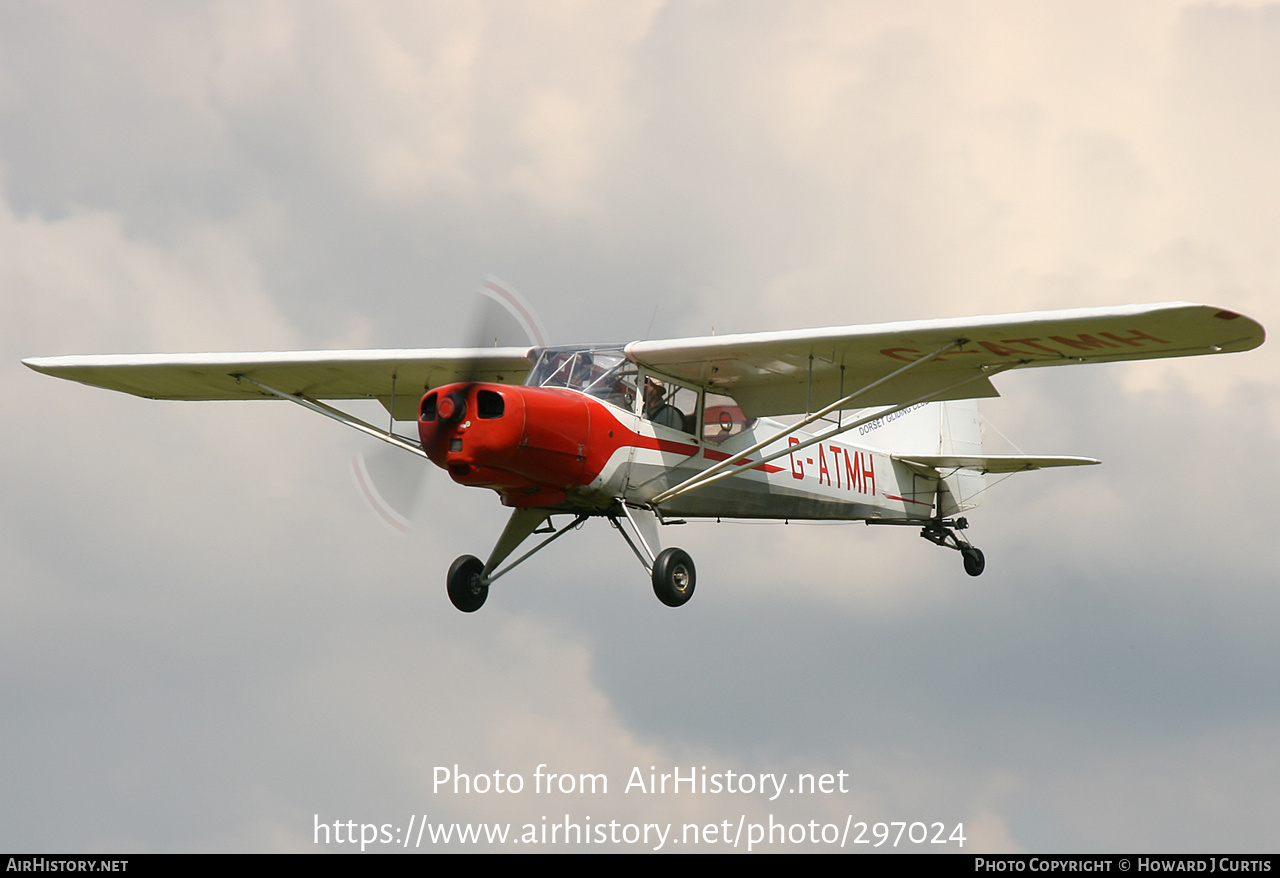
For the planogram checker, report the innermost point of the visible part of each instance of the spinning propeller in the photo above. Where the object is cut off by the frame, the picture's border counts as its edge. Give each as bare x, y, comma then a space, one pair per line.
391, 482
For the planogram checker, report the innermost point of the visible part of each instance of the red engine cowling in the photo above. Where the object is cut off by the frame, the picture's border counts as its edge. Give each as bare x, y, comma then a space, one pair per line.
530, 444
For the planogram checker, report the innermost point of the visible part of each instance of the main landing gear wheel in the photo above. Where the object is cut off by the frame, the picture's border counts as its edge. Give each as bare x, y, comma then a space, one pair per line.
673, 577
467, 590
974, 562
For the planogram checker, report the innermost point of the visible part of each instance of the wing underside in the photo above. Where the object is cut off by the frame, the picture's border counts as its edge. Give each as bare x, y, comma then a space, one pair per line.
780, 373
399, 375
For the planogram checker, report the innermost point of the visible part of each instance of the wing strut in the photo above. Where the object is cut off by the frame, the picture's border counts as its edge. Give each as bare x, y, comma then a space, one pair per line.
707, 476
710, 473
340, 416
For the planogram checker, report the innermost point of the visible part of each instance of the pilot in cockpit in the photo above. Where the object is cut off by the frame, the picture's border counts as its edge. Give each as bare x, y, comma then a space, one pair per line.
657, 409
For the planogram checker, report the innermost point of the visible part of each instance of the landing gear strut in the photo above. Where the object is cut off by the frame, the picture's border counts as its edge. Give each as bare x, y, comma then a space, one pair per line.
469, 577
946, 533
671, 570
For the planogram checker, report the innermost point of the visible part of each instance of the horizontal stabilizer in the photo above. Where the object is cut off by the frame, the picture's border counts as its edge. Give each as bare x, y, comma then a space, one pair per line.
991, 463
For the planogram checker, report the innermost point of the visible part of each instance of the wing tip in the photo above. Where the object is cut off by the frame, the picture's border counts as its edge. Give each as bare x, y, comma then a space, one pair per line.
43, 365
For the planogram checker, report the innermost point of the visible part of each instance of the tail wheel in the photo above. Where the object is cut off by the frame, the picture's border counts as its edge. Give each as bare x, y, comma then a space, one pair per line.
974, 562
467, 590
673, 577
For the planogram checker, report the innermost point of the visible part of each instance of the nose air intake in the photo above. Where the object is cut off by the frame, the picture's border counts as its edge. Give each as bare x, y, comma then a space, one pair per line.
489, 405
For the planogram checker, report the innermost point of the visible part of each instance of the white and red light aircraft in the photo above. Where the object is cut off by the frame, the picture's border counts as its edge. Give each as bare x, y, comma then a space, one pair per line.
654, 432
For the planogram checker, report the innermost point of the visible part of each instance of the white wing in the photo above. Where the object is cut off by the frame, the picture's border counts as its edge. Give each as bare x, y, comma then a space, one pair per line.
404, 374
767, 372
774, 373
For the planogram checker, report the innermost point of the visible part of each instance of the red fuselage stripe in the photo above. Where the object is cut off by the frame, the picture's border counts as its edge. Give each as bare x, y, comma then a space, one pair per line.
709, 454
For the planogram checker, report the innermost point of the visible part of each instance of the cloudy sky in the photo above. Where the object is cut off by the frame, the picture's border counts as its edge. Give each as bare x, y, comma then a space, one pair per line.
208, 640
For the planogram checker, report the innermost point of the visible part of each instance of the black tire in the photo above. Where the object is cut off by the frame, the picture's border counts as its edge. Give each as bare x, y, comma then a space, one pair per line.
674, 577
466, 590
974, 562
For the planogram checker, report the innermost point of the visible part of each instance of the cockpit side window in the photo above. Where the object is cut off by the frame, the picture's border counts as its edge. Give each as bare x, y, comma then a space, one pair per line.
722, 418
670, 404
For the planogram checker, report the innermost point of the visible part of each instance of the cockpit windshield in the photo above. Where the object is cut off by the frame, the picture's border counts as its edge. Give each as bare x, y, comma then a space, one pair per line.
608, 375
604, 373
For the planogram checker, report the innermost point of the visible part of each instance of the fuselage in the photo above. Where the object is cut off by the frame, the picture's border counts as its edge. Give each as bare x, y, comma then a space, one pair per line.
557, 447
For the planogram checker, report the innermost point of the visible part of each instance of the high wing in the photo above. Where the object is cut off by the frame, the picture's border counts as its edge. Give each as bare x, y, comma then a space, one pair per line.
791, 372
768, 373
402, 375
